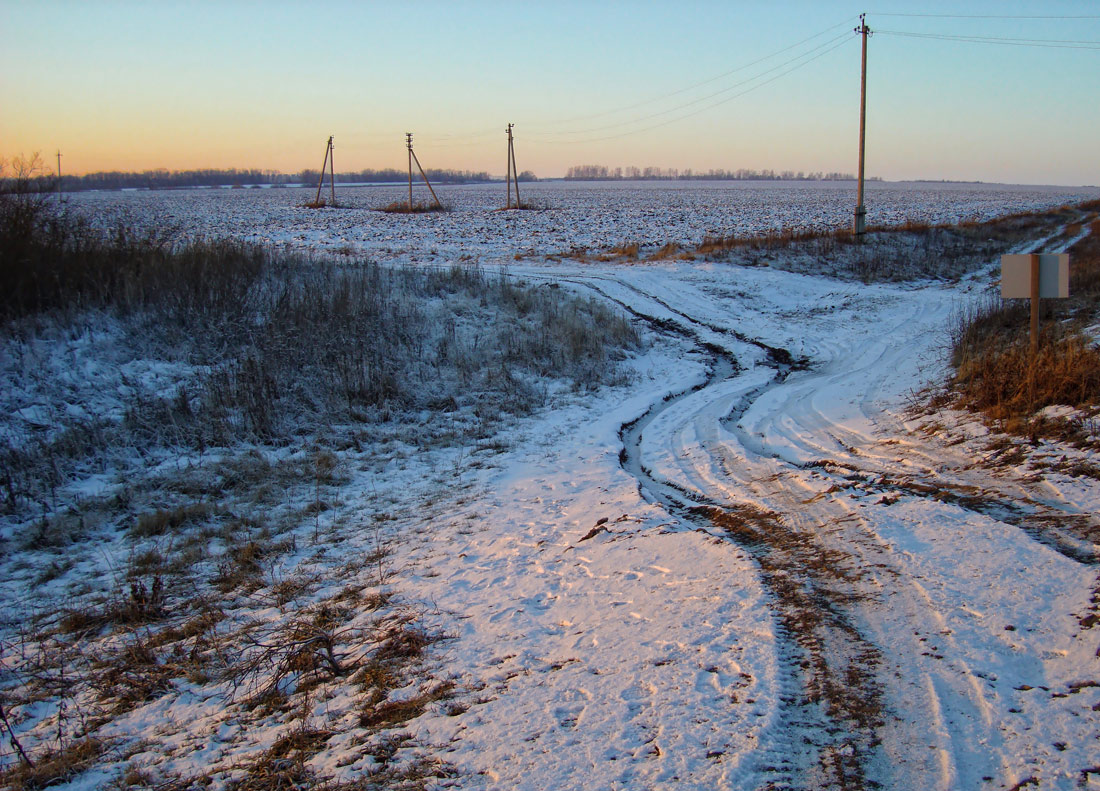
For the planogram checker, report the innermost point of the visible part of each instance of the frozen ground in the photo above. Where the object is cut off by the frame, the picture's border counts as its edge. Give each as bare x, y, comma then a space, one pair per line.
779, 576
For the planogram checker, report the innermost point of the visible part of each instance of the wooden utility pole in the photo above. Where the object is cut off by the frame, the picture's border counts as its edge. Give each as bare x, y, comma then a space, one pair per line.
508, 167
321, 181
409, 143
1034, 305
59, 176
512, 168
860, 226
331, 169
414, 158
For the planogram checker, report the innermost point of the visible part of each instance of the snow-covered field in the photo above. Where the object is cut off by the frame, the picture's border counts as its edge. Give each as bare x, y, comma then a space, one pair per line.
730, 573
578, 215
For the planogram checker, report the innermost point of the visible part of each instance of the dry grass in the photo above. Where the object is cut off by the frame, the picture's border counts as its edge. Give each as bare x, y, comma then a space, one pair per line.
774, 240
287, 346
906, 251
1003, 381
627, 250
995, 372
670, 250
54, 767
159, 522
403, 207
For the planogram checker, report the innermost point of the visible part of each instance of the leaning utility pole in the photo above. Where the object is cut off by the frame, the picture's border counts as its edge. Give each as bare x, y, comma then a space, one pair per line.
513, 174
414, 158
861, 210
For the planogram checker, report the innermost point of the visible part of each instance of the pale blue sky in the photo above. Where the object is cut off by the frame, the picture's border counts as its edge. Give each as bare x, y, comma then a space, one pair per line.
129, 85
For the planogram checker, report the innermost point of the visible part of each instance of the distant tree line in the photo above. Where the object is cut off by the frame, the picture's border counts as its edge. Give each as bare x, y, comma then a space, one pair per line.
602, 173
182, 179
393, 174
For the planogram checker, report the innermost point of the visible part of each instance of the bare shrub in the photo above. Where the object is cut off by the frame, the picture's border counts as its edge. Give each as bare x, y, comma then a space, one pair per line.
141, 601
293, 655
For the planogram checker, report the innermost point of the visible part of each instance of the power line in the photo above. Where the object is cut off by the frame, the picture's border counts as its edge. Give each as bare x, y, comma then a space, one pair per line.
1017, 42
797, 66
693, 86
827, 47
985, 16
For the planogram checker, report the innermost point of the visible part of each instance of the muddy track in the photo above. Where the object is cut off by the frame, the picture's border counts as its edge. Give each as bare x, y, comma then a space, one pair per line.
832, 697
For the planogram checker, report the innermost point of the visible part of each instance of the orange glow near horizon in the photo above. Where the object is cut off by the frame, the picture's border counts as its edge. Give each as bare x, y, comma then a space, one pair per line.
121, 86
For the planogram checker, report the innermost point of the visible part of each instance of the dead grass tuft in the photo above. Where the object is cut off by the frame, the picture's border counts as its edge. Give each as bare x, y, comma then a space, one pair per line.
387, 713
54, 767
157, 523
402, 207
131, 673
283, 765
1004, 382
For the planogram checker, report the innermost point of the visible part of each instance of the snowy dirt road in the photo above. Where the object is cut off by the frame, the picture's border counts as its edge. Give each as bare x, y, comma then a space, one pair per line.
931, 609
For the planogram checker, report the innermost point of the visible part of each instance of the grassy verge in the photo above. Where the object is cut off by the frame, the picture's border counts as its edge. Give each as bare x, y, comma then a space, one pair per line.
907, 251
277, 346
995, 372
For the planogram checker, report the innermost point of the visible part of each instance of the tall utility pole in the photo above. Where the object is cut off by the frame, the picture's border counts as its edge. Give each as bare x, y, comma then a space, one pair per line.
861, 211
508, 168
409, 143
332, 175
414, 158
59, 176
514, 177
331, 169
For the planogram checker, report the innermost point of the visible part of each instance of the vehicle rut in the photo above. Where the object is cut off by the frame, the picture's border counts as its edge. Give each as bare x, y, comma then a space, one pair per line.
831, 701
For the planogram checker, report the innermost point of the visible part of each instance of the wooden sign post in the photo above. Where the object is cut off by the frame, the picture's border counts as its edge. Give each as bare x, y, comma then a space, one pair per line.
1034, 276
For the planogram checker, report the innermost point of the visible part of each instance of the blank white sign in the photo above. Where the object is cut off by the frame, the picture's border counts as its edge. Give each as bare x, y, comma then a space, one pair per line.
1053, 276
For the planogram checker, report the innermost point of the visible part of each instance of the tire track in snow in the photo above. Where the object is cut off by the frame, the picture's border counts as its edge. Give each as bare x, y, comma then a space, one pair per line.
933, 676
831, 700
775, 499
823, 587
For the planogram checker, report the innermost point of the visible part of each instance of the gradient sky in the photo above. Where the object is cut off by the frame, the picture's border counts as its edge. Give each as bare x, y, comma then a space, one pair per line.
179, 85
